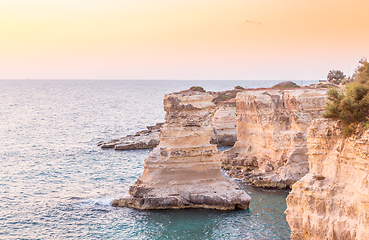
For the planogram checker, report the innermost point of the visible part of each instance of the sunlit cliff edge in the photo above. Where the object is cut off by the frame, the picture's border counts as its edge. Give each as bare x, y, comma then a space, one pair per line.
332, 200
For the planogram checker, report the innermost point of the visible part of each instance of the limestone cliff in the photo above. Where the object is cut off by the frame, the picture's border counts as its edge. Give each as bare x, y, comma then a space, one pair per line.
224, 124
332, 201
271, 128
224, 117
182, 172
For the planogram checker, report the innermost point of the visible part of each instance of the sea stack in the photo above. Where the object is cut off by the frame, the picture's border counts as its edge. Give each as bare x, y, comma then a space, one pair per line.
183, 170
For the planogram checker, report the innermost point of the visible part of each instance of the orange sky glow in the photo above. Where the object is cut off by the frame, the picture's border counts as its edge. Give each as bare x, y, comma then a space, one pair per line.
166, 39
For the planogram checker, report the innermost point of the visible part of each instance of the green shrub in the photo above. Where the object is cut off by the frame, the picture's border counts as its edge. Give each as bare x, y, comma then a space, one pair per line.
197, 88
335, 76
319, 177
327, 85
288, 84
351, 106
212, 114
225, 96
366, 125
345, 81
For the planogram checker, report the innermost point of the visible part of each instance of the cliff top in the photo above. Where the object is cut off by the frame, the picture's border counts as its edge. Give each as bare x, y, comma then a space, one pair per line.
228, 97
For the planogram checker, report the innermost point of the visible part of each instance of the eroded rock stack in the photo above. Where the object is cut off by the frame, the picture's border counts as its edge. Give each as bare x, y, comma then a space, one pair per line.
271, 128
182, 172
332, 201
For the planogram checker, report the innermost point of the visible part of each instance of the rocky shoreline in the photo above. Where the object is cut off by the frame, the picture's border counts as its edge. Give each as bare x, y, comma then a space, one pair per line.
141, 140
265, 127
280, 141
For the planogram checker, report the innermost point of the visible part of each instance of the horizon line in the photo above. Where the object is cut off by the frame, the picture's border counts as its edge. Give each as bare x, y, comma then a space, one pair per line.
95, 79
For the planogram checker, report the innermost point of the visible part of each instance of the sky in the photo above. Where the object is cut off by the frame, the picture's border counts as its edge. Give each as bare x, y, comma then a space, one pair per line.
181, 39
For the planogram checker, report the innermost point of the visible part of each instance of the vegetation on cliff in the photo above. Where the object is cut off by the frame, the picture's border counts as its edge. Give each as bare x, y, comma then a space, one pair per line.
227, 95
338, 77
352, 105
197, 88
288, 84
335, 76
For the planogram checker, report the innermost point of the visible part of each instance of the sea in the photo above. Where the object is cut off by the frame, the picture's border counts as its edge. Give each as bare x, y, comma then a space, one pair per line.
55, 183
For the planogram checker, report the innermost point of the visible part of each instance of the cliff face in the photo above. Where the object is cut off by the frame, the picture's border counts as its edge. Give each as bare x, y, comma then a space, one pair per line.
271, 128
332, 201
224, 124
182, 172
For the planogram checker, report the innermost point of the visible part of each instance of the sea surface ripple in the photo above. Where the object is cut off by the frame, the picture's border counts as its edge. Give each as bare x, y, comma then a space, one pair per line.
56, 184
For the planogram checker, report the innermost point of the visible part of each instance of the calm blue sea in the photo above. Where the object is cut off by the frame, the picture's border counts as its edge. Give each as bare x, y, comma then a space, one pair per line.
56, 184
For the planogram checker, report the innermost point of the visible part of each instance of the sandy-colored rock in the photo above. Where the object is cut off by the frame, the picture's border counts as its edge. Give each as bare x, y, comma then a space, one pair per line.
224, 124
332, 201
182, 171
271, 129
141, 140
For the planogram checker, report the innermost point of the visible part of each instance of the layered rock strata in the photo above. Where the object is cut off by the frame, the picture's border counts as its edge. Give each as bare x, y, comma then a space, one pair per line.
182, 172
271, 147
224, 117
332, 201
224, 124
141, 140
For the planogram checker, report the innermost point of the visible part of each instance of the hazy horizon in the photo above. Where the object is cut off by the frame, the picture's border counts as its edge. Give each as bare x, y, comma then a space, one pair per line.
181, 40
81, 79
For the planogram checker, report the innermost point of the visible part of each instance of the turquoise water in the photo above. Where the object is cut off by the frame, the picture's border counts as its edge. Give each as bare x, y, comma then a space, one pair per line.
56, 184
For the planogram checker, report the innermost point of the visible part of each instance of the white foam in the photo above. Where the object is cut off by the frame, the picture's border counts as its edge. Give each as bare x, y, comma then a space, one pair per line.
95, 201
102, 201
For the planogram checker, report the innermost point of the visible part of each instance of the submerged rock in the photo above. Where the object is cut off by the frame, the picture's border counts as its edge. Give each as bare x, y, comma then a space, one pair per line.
332, 200
182, 171
271, 149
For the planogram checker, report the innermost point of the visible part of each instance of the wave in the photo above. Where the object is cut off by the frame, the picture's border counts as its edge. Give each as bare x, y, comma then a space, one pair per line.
94, 202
